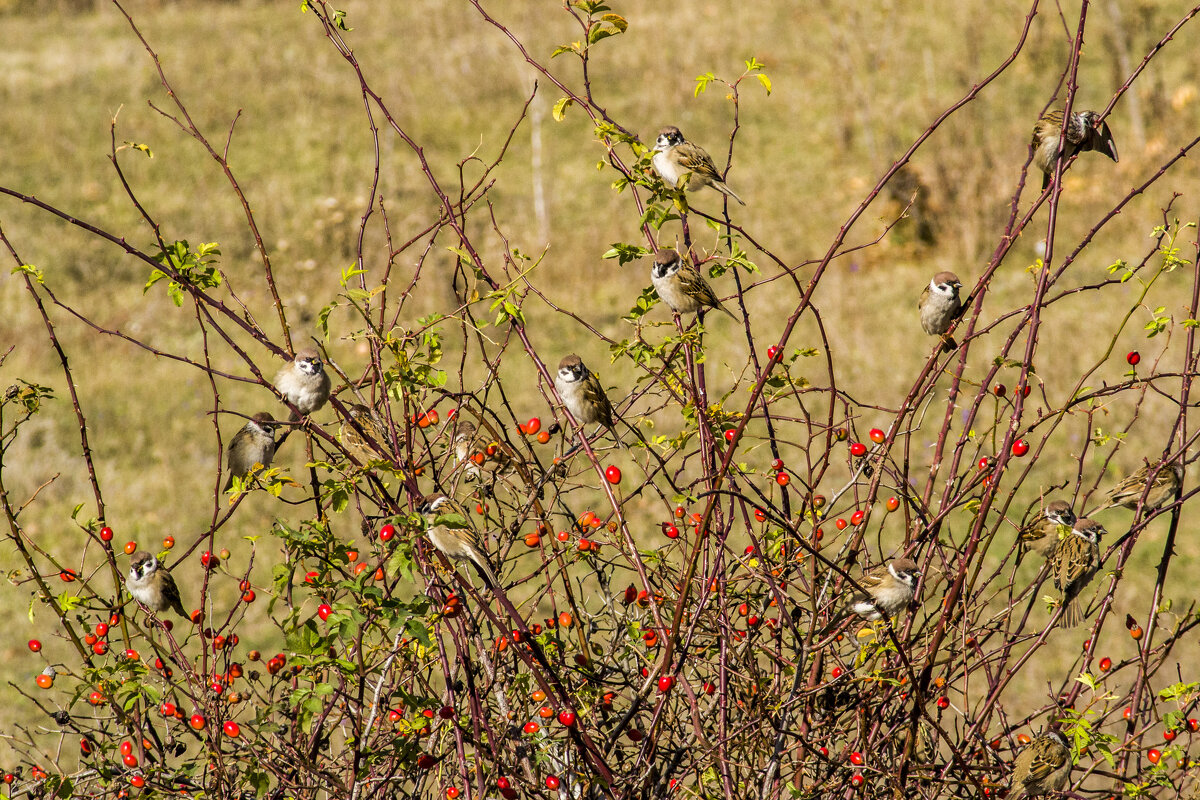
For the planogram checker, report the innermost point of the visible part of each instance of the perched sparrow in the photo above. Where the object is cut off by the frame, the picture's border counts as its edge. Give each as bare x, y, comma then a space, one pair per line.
452, 534
1042, 534
253, 444
151, 585
940, 306
675, 159
1073, 563
1043, 766
582, 393
476, 461
889, 590
1162, 491
363, 449
304, 382
1085, 131
681, 286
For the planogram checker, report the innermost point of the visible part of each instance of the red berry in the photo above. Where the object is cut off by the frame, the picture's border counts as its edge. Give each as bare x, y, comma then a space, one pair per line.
777, 464
533, 426
1193, 725
782, 478
710, 688
876, 435
551, 782
1127, 713
130, 548
857, 517
985, 463
1020, 447
106, 534
426, 761
35, 645
197, 721
1168, 735
95, 698
671, 531
665, 683
856, 758
840, 524
1133, 358
999, 390
452, 793
231, 729
248, 596
856, 780
1025, 390
323, 611
67, 575
613, 474
729, 434
772, 351
836, 673
943, 702
502, 782
1023, 739
386, 533
893, 503
567, 718
631, 592
167, 709
1105, 664
858, 449
532, 727
137, 781
1153, 756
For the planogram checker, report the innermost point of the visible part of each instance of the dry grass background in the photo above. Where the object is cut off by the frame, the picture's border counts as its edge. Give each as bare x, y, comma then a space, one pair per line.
853, 85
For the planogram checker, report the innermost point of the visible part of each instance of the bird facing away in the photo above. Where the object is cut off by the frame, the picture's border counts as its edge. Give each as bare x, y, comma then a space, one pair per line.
151, 584
253, 444
676, 159
1074, 563
1129, 491
452, 534
940, 306
681, 286
889, 588
1085, 131
304, 382
582, 393
477, 460
1042, 767
1043, 533
363, 449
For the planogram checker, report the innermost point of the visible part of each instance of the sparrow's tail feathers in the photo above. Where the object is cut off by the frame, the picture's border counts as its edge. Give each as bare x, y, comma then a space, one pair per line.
1072, 612
486, 569
725, 190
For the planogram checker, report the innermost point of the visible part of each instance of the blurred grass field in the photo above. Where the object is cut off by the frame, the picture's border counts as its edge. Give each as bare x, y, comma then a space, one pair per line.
852, 87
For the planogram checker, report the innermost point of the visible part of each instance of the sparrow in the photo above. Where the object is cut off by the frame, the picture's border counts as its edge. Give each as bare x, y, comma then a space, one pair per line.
681, 286
1042, 534
940, 306
304, 383
582, 393
151, 584
675, 159
476, 461
452, 534
1043, 766
1162, 491
253, 444
889, 590
1074, 562
363, 449
1085, 131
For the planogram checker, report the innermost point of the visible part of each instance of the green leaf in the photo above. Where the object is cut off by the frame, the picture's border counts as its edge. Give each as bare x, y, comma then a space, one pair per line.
560, 108
765, 81
144, 148
30, 271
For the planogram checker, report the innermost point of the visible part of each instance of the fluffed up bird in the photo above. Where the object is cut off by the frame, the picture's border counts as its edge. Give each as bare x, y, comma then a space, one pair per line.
940, 306
253, 444
477, 460
889, 588
364, 449
450, 532
304, 383
1042, 767
1074, 562
151, 584
1162, 491
1085, 131
1043, 533
681, 286
582, 393
676, 159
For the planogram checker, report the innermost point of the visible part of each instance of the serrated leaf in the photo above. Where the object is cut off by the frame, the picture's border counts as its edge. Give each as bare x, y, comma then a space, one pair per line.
559, 111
